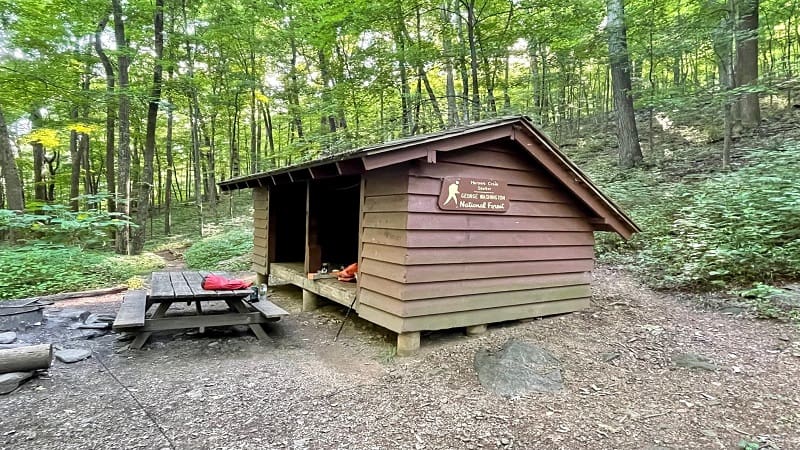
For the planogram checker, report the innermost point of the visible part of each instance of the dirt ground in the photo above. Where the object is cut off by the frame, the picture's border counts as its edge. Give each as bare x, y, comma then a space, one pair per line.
224, 389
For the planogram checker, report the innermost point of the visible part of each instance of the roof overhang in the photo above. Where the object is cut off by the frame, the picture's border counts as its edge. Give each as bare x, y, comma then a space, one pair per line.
608, 215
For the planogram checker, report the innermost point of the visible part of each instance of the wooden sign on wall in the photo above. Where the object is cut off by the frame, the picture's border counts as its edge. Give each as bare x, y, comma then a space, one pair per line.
474, 194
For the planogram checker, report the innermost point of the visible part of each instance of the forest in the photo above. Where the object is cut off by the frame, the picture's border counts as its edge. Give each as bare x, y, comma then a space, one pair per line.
117, 119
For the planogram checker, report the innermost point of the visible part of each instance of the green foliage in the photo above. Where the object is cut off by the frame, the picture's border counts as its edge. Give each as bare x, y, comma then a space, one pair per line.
770, 302
732, 228
45, 269
749, 445
227, 251
58, 224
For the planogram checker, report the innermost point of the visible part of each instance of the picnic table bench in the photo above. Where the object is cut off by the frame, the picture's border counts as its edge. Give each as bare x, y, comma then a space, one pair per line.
167, 288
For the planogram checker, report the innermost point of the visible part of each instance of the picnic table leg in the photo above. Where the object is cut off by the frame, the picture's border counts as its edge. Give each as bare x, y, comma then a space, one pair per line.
199, 313
142, 337
238, 305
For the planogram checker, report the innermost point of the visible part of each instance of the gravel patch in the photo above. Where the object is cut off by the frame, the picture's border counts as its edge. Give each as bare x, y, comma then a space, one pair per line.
224, 389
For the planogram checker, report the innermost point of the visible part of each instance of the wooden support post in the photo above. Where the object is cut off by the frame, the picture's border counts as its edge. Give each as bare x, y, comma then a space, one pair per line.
261, 278
407, 343
313, 253
143, 336
476, 330
239, 306
311, 301
199, 310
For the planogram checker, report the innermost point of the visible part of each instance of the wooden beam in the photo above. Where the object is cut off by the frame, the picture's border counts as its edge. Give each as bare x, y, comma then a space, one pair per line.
572, 181
396, 156
350, 166
324, 171
431, 156
282, 178
206, 320
300, 175
362, 198
313, 256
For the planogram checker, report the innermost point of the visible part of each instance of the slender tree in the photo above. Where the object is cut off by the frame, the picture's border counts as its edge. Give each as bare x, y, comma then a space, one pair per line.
630, 153
110, 112
747, 60
8, 167
146, 187
123, 149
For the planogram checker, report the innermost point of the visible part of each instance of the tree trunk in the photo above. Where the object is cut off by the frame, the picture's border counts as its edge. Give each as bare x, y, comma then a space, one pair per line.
447, 50
294, 90
146, 185
462, 65
630, 153
211, 165
328, 119
124, 147
723, 42
110, 114
53, 163
253, 137
472, 24
533, 54
747, 60
26, 359
8, 166
405, 90
506, 83
170, 169
75, 172
84, 149
267, 118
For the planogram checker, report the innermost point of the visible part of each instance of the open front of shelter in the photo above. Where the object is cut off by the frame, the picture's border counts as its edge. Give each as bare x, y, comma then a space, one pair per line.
461, 228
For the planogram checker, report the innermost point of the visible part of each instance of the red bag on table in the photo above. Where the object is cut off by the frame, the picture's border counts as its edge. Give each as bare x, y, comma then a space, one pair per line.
219, 283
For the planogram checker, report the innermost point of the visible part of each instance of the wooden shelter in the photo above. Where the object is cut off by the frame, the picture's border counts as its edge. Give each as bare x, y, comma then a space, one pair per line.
459, 228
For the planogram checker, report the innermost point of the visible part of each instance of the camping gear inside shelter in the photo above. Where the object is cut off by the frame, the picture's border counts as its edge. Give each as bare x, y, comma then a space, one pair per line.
460, 228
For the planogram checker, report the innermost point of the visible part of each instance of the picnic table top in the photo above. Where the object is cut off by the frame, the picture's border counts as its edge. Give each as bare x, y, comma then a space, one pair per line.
187, 285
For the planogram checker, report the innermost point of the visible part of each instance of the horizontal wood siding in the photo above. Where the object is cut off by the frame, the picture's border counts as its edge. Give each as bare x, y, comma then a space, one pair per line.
444, 305
383, 190
419, 291
454, 272
464, 255
423, 268
260, 229
468, 238
469, 318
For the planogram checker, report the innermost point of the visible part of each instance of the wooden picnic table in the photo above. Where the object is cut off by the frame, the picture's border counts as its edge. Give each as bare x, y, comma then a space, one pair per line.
168, 288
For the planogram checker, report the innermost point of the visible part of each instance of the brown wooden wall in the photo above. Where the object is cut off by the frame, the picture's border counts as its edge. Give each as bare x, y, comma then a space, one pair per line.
260, 229
423, 268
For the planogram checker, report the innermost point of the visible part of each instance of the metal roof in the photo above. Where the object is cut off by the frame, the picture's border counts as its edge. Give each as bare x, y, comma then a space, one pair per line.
519, 129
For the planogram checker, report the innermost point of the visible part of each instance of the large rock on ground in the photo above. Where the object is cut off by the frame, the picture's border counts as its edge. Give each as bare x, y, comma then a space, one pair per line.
8, 337
694, 361
518, 368
71, 355
11, 381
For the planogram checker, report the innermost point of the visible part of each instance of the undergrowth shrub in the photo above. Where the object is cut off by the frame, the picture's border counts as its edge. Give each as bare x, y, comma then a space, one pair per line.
227, 251
40, 269
730, 229
58, 224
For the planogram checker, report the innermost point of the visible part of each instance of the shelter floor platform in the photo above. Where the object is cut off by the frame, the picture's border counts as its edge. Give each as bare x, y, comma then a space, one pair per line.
330, 288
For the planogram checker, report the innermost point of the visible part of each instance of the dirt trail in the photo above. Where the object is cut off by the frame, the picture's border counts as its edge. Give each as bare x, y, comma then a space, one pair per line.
224, 389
